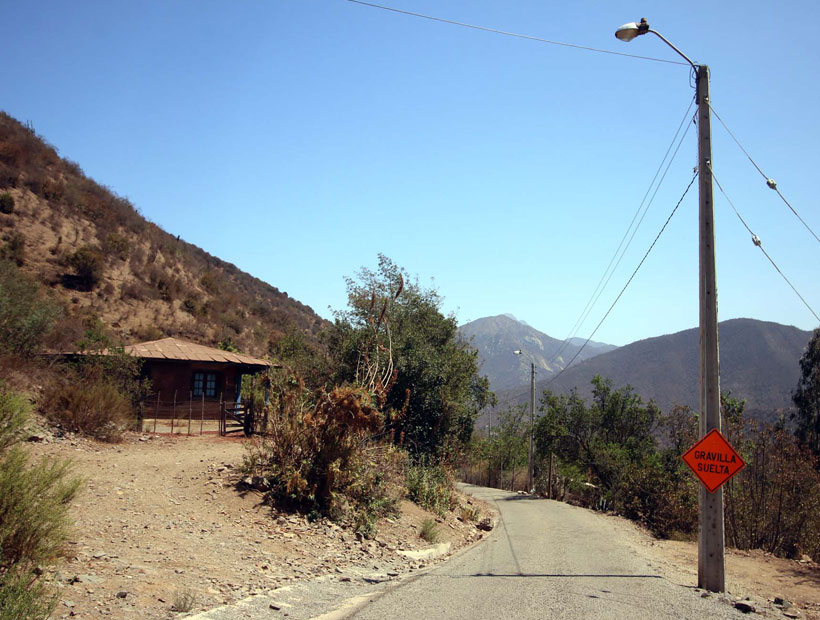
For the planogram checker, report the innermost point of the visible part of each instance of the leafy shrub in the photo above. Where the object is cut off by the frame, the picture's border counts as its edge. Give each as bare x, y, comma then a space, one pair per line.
429, 530
26, 316
88, 263
15, 248
431, 487
6, 203
22, 597
97, 392
34, 501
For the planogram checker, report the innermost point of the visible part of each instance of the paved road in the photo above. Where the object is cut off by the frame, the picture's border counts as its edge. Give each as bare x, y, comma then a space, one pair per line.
544, 560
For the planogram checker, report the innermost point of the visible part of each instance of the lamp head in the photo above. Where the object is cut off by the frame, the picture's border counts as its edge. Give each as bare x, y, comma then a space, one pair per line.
629, 31
518, 352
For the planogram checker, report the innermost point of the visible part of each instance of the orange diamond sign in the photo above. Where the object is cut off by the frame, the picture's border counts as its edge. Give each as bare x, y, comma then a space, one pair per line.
713, 460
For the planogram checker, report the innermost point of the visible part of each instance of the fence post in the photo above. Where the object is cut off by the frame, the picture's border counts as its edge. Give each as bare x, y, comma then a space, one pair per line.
221, 416
190, 410
549, 477
202, 413
174, 412
156, 414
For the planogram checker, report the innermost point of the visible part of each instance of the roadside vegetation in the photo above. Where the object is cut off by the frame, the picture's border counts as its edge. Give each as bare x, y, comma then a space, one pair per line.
34, 497
621, 454
390, 420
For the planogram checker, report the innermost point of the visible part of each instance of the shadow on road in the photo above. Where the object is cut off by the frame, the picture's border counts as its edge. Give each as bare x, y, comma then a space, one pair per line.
552, 575
515, 498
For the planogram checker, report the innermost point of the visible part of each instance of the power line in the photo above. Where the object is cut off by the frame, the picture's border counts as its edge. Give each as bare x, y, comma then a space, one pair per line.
513, 34
769, 181
604, 281
756, 240
628, 282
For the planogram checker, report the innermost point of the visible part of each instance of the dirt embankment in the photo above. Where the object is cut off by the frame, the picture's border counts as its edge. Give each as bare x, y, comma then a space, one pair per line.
161, 525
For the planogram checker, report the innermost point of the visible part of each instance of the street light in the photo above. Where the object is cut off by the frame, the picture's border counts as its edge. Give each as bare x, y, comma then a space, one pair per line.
710, 533
530, 485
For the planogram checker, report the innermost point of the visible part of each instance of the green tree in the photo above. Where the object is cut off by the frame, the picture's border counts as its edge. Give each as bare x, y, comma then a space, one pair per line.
394, 340
26, 316
807, 396
507, 447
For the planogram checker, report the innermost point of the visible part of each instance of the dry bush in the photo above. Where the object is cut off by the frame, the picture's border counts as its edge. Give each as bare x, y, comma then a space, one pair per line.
15, 248
317, 457
85, 401
89, 264
116, 245
774, 503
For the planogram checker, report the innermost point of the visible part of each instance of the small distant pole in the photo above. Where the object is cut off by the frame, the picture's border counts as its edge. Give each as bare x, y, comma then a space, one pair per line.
174, 412
549, 476
156, 414
221, 415
190, 410
202, 414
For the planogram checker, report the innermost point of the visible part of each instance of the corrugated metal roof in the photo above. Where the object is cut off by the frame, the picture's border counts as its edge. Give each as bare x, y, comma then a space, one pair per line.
175, 349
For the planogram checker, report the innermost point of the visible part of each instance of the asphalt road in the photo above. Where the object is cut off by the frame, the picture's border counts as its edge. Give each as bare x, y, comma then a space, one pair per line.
545, 559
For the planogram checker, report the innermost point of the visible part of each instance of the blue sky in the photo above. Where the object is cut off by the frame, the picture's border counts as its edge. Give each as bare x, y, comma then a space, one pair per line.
299, 138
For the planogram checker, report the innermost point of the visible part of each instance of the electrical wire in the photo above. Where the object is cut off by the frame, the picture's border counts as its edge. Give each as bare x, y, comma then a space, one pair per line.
514, 34
756, 240
769, 181
604, 281
629, 281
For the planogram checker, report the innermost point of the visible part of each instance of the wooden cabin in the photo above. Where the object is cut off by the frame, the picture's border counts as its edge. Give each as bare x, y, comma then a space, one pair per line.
194, 381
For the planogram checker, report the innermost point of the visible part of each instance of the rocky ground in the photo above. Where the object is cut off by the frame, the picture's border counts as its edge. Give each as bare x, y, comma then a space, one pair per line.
162, 527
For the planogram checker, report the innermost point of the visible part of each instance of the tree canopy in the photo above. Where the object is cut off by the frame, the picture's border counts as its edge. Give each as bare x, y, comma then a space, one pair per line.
807, 395
394, 340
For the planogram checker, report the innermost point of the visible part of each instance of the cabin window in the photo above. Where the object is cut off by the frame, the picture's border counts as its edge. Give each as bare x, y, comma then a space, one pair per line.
204, 383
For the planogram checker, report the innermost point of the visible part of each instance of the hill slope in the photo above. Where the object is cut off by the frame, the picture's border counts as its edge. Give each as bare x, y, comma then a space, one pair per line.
759, 362
496, 338
149, 283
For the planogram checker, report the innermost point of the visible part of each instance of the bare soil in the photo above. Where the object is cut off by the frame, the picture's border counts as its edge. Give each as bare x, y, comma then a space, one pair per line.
163, 526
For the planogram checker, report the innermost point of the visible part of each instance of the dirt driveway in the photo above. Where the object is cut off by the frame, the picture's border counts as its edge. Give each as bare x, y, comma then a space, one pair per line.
160, 525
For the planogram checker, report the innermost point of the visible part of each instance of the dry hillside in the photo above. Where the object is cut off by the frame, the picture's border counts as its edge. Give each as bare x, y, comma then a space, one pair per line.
102, 258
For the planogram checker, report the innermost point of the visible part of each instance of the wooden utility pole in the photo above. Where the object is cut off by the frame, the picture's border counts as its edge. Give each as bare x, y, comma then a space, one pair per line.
710, 531
532, 416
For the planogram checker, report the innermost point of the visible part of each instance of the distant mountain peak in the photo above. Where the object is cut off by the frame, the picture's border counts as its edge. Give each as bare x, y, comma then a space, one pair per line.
496, 337
512, 316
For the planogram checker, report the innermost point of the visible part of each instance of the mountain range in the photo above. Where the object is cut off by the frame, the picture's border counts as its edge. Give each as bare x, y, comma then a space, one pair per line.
759, 362
496, 338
